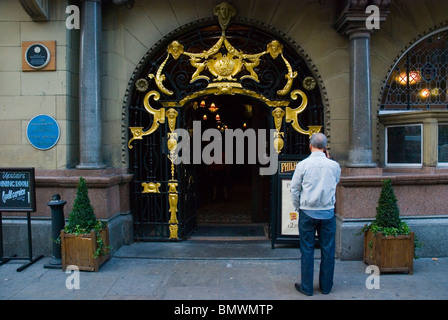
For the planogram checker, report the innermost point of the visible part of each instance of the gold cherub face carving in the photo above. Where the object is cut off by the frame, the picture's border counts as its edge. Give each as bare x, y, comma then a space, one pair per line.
278, 114
224, 11
175, 48
274, 48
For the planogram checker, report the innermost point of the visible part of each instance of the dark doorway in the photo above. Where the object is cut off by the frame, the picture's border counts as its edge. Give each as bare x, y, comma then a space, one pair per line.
235, 193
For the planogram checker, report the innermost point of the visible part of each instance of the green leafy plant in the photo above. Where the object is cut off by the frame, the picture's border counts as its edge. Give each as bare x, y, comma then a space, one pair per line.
387, 220
82, 218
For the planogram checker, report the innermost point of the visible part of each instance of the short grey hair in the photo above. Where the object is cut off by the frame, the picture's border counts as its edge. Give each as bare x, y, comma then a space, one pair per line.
318, 140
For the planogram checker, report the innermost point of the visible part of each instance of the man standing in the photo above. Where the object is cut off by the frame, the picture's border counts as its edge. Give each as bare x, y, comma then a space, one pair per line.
313, 189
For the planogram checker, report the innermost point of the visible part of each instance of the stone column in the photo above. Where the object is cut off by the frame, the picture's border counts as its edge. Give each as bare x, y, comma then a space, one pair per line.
90, 116
360, 135
352, 22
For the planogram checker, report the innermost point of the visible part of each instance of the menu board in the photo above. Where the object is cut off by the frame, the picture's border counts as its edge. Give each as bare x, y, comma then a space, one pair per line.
17, 190
289, 216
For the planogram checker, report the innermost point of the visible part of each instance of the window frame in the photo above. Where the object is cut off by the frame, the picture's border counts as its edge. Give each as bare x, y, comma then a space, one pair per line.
440, 164
408, 165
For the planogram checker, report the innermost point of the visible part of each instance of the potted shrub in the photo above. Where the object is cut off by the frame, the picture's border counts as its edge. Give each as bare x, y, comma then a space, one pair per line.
388, 241
84, 239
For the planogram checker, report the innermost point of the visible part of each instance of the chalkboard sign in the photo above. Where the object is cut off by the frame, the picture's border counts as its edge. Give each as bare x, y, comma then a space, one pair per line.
17, 190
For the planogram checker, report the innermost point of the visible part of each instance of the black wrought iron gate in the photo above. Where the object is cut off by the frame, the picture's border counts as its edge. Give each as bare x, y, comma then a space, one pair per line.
150, 186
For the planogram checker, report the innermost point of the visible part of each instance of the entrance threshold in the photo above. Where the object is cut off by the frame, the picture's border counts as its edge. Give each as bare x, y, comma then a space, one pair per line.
208, 250
231, 232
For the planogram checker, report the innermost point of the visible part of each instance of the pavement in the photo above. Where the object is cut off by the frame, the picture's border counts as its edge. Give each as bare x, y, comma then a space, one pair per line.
224, 271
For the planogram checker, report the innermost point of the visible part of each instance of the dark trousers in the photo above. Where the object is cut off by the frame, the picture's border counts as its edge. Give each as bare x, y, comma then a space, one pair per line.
326, 230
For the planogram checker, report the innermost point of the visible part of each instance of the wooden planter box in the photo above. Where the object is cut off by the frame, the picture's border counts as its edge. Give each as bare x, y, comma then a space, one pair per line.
79, 250
390, 254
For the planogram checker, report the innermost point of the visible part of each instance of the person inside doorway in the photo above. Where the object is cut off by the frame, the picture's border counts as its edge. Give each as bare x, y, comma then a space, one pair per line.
313, 188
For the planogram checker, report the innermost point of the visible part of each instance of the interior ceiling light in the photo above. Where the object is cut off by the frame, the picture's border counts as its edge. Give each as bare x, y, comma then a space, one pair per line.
425, 93
213, 107
414, 77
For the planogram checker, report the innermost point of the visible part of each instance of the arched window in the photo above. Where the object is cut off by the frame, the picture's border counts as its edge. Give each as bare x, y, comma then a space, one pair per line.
413, 110
419, 80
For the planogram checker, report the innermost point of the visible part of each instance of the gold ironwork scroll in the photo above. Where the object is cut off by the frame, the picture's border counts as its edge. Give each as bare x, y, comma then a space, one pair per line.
230, 88
291, 114
159, 77
275, 48
158, 117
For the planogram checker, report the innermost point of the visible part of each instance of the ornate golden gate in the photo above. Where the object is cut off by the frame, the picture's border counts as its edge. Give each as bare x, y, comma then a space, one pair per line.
207, 59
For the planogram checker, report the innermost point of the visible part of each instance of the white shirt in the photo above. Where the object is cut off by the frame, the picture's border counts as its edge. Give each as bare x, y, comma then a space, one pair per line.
313, 185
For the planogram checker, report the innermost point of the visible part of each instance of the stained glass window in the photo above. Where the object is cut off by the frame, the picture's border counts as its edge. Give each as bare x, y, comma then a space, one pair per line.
419, 80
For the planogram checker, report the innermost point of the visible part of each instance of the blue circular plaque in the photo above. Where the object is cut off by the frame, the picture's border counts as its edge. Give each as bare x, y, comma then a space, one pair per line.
43, 132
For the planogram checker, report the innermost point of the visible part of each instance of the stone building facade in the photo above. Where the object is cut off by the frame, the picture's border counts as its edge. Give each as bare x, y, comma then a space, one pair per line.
92, 87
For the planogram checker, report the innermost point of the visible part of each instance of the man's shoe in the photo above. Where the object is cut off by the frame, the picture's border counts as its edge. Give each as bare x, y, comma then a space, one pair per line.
299, 288
324, 292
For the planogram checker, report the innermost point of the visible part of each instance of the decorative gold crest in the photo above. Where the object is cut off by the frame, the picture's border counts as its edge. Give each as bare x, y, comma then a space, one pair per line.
224, 66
